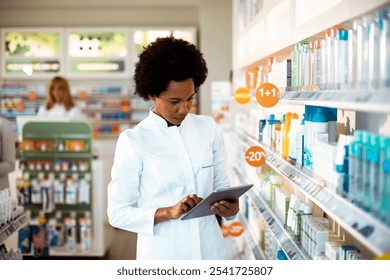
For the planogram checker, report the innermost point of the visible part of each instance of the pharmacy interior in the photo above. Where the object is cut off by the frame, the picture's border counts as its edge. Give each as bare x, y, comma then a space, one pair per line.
321, 181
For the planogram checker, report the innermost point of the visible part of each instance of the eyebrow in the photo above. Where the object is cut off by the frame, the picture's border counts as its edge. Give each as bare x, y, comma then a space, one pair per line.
175, 98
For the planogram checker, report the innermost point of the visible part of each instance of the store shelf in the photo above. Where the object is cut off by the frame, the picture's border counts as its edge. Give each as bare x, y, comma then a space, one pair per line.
255, 249
363, 226
55, 155
77, 252
286, 241
354, 100
113, 122
12, 227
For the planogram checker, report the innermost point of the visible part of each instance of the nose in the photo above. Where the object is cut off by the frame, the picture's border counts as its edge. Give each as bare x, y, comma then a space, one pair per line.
184, 108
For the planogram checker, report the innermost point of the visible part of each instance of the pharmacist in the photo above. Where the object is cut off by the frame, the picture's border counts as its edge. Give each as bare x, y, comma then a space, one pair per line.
169, 161
59, 102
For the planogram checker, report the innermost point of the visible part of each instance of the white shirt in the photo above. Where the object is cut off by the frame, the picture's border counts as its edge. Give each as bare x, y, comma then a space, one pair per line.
59, 111
156, 166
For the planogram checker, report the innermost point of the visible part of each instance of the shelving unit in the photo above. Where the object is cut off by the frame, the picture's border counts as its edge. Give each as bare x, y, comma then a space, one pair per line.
267, 31
284, 239
80, 134
12, 227
354, 100
254, 248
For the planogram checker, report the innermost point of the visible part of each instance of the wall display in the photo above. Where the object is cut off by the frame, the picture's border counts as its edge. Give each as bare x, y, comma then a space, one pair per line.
98, 52
32, 52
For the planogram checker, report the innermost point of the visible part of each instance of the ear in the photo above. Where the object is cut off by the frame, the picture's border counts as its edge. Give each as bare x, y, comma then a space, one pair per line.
153, 98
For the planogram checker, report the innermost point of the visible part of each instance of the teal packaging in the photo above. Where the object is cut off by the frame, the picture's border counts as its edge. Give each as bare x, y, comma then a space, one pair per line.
358, 171
366, 159
384, 179
374, 171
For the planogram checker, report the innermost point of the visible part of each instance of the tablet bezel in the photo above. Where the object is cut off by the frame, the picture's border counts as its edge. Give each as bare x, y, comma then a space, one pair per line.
203, 208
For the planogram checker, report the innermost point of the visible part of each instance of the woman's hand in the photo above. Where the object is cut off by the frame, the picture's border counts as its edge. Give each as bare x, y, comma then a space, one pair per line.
185, 205
175, 211
225, 208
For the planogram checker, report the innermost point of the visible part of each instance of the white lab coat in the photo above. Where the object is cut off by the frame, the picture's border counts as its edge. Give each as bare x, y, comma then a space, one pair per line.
156, 166
59, 111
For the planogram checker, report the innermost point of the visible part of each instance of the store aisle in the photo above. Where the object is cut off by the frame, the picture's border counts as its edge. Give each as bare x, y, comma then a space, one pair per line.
123, 246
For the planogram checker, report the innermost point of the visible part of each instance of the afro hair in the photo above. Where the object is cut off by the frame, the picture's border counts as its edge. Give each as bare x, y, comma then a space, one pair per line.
168, 59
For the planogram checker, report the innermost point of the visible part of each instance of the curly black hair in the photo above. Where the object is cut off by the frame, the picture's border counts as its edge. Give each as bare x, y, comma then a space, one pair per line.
168, 59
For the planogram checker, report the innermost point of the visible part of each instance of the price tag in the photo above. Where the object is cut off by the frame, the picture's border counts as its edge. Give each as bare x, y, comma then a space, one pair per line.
236, 228
267, 95
255, 156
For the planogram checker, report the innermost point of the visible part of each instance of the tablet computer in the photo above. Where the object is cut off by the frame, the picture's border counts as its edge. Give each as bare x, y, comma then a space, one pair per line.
203, 207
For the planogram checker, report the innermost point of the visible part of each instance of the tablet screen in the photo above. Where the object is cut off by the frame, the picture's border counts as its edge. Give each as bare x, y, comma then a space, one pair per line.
203, 207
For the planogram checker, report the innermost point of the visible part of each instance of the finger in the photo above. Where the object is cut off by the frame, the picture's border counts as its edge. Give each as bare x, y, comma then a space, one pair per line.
195, 198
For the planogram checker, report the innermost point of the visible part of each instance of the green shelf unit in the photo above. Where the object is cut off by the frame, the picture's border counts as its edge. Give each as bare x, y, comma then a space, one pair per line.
54, 131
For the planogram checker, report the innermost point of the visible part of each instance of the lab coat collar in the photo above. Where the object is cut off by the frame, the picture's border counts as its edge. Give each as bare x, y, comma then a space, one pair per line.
160, 121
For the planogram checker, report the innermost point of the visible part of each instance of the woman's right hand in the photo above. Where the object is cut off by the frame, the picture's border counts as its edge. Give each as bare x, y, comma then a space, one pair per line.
184, 205
174, 212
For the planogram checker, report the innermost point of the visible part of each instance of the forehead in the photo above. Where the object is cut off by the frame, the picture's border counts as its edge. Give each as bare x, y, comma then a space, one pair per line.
181, 90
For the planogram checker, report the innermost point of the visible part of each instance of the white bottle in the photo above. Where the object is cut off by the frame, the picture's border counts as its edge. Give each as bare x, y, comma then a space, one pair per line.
85, 232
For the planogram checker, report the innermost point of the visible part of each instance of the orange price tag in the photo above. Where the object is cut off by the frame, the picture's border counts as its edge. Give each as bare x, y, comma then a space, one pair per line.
225, 231
267, 95
255, 156
242, 95
236, 228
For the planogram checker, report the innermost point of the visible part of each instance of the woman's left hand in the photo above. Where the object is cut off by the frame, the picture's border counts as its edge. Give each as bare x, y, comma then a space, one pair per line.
225, 208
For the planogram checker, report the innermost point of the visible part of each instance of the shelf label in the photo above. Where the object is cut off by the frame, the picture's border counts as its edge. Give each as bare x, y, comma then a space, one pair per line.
242, 95
267, 95
255, 156
236, 229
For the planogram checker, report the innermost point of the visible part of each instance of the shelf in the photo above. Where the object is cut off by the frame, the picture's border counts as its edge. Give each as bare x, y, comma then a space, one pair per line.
63, 252
286, 241
355, 100
104, 96
364, 227
12, 227
103, 109
255, 248
113, 122
53, 155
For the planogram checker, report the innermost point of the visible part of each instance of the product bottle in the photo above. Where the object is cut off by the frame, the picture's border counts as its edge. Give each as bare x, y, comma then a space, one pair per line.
373, 52
286, 134
70, 231
295, 68
293, 139
300, 142
366, 160
60, 229
384, 179
276, 138
384, 69
374, 171
85, 231
356, 168
330, 38
341, 56
352, 54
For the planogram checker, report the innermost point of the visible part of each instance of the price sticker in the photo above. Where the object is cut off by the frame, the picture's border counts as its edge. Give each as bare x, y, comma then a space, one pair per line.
242, 95
236, 228
267, 95
255, 156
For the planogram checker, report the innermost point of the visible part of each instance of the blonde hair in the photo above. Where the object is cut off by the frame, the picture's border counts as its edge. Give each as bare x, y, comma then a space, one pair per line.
67, 100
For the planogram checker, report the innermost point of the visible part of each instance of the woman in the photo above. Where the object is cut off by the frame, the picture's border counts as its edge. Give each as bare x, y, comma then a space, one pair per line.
7, 152
169, 161
59, 102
